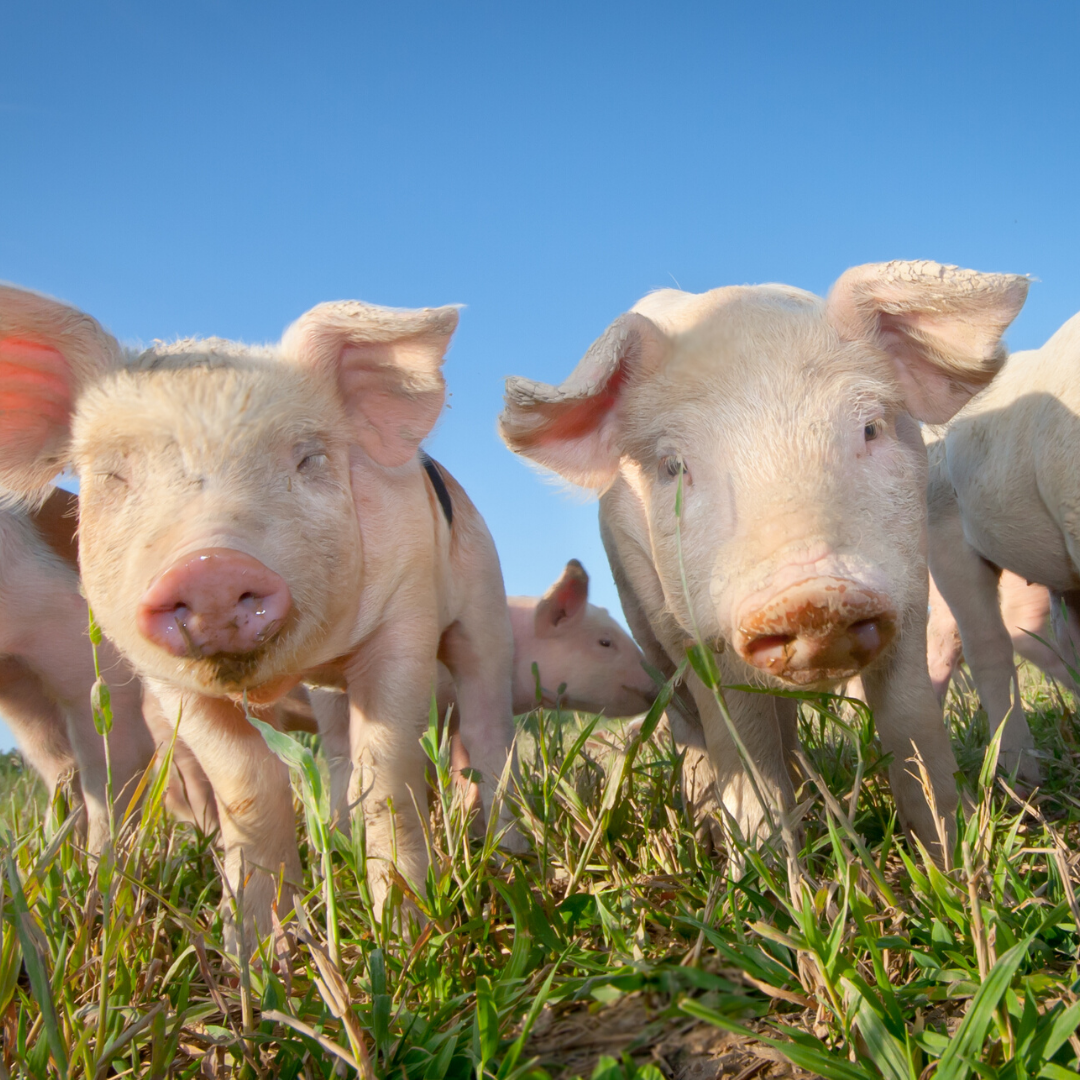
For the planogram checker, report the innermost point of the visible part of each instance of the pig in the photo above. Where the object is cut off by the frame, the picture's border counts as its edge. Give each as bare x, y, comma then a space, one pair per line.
47, 665
1003, 495
572, 642
762, 480
1025, 610
577, 643
254, 516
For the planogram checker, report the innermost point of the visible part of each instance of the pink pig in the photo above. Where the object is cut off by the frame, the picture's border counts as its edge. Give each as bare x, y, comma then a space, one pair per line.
762, 480
47, 667
251, 517
577, 643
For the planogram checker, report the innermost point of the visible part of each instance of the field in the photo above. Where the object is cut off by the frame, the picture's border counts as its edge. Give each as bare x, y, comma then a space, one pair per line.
621, 947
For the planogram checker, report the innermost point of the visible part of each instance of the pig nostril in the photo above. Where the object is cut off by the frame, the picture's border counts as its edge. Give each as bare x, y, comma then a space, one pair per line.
866, 634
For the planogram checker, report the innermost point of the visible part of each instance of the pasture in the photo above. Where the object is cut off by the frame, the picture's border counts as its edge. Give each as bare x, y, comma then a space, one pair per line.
620, 947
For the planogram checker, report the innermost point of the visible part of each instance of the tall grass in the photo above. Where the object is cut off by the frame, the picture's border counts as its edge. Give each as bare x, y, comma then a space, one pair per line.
619, 947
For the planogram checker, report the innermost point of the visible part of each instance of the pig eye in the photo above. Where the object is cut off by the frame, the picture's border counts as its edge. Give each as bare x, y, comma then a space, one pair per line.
671, 466
872, 430
112, 478
311, 461
606, 642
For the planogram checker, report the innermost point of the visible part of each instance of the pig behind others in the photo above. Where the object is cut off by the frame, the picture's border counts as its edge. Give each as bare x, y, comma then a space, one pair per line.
47, 666
252, 516
579, 645
787, 428
1004, 494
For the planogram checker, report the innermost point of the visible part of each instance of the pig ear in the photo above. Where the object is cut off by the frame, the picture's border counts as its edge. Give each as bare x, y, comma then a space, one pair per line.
565, 602
386, 363
572, 429
49, 353
941, 326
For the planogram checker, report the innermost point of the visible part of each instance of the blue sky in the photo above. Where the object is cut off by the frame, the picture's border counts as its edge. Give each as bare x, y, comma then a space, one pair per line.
218, 168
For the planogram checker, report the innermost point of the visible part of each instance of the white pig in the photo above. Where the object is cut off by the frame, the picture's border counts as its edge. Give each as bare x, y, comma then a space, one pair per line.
254, 516
1005, 494
47, 666
789, 426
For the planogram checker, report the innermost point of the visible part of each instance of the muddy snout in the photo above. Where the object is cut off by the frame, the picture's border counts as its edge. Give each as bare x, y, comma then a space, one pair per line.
816, 631
213, 602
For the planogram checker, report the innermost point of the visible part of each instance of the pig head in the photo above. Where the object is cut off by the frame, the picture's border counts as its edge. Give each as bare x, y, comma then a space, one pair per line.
763, 482
577, 645
254, 516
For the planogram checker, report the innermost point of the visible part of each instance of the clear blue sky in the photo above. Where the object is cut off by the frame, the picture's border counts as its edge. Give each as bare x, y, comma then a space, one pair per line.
218, 168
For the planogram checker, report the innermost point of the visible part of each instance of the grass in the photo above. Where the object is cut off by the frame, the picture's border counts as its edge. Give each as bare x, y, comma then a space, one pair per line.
620, 948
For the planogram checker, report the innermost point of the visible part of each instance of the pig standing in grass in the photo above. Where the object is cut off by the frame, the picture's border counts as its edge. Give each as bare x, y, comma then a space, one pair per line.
47, 666
254, 516
1004, 494
785, 428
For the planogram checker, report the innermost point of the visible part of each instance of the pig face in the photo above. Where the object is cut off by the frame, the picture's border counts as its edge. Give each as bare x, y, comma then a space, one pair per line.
577, 643
244, 552
785, 426
220, 483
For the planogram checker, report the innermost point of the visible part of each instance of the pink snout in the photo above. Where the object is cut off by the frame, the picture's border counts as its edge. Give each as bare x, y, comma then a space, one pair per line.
821, 630
216, 601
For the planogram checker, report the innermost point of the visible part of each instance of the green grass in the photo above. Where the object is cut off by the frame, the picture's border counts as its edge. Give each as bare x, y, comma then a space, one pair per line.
619, 948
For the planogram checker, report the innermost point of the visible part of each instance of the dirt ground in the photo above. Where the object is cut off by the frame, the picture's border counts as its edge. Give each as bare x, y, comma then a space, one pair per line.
570, 1040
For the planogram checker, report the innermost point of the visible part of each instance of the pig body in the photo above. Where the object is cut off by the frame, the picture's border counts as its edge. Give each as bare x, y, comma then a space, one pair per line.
256, 516
1004, 495
47, 667
763, 482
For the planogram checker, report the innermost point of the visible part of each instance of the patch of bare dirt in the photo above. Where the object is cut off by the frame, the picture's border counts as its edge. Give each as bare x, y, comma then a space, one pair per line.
569, 1041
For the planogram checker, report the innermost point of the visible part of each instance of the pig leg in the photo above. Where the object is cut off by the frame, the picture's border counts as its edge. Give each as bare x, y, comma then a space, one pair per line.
189, 796
764, 725
944, 649
390, 684
331, 709
254, 802
1065, 623
479, 652
36, 721
908, 718
639, 591
969, 585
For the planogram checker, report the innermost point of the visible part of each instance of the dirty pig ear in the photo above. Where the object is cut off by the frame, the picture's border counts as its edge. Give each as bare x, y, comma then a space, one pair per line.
941, 326
571, 429
565, 602
386, 363
49, 353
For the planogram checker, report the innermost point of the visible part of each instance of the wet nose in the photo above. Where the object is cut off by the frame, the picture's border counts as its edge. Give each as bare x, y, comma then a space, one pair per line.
821, 630
214, 601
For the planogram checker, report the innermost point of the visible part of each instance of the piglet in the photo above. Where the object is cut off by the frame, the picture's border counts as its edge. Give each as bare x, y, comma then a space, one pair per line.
763, 485
254, 516
47, 666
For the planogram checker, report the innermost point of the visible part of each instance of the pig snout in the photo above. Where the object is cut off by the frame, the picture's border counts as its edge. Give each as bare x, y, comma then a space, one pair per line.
815, 631
214, 601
